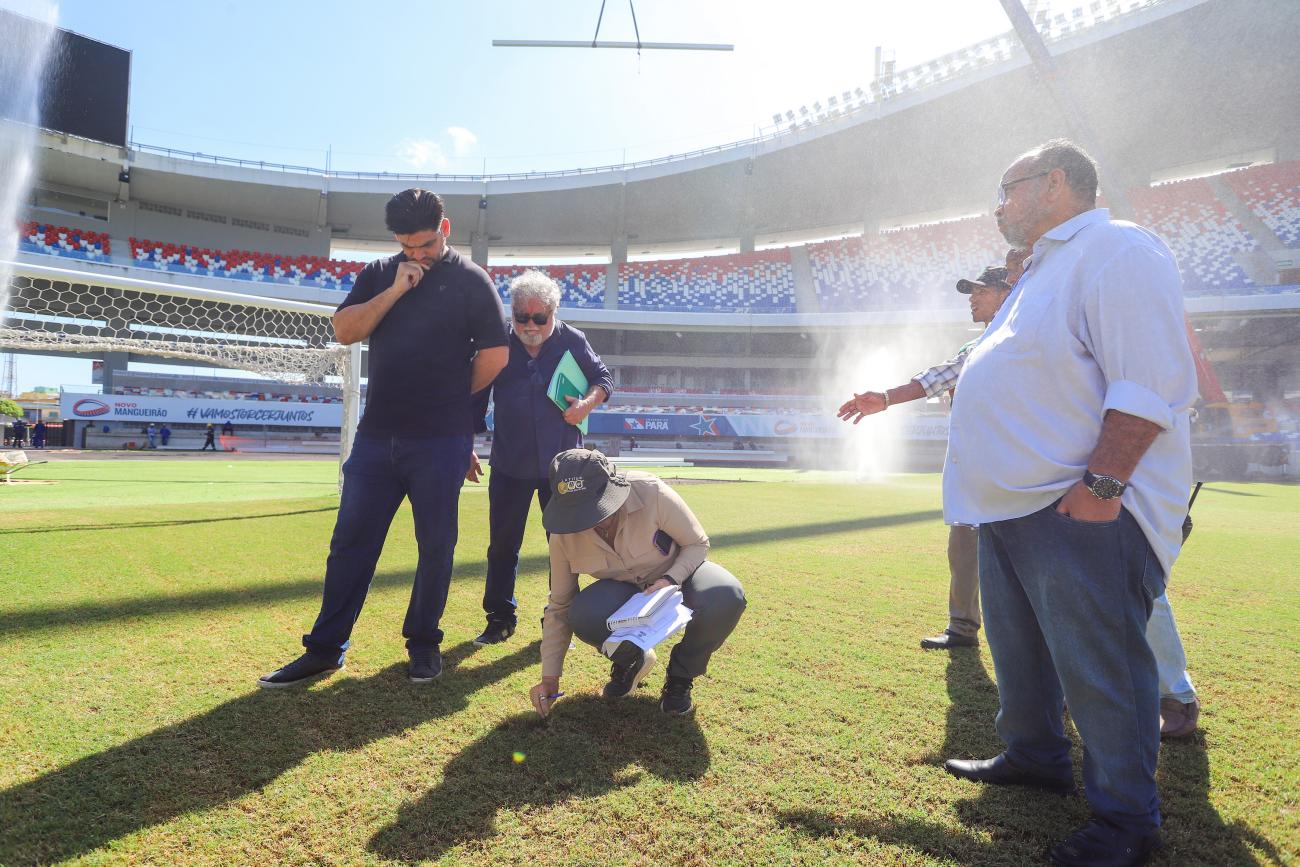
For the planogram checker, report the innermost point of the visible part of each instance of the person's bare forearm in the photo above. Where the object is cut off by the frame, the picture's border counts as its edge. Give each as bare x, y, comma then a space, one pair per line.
360, 320
485, 367
872, 402
905, 393
1123, 441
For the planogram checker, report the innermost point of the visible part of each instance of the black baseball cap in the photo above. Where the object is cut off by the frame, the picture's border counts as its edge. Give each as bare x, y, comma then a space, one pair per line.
585, 490
994, 276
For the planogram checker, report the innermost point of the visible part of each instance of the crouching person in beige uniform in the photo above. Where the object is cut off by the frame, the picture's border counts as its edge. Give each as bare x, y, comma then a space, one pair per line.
633, 534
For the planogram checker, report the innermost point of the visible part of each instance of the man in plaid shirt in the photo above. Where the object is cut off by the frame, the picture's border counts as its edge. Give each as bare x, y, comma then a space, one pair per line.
987, 292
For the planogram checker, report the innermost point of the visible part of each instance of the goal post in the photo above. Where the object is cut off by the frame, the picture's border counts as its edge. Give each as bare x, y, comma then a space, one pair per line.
61, 310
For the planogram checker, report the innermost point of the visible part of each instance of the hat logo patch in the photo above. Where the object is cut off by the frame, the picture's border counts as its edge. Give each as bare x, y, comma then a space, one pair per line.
569, 486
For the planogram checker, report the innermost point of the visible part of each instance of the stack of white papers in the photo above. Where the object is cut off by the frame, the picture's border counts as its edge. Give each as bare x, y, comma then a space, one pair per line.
642, 607
647, 620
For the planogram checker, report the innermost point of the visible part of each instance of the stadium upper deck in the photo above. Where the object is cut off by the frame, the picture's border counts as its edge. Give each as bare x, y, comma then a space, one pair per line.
1163, 83
1231, 234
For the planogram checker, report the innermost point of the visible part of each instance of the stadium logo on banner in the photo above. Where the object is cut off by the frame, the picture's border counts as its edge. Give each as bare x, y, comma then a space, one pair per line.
706, 426
634, 423
88, 406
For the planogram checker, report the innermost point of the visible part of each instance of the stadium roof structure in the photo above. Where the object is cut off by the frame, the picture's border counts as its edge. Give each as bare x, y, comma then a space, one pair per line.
1169, 83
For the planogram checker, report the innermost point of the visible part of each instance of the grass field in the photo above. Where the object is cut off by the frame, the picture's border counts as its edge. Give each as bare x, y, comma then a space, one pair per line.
140, 601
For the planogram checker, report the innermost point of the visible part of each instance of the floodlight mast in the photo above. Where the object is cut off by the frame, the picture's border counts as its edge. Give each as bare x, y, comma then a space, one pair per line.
596, 43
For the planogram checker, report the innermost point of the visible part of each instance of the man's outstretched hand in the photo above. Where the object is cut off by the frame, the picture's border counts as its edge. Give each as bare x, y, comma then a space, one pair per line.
861, 406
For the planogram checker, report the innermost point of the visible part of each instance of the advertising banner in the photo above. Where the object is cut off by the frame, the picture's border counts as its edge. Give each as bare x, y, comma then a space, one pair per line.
751, 426
755, 426
180, 410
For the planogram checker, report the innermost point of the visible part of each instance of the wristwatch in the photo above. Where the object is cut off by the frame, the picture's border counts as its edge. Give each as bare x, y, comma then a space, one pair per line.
1103, 487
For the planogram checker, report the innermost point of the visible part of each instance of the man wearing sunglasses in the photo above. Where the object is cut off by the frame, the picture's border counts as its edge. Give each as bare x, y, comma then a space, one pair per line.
436, 336
1070, 448
528, 431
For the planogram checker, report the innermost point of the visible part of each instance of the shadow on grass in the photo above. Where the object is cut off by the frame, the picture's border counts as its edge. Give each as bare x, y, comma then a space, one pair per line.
85, 614
234, 749
972, 706
1194, 832
245, 482
179, 522
1208, 489
587, 749
1024, 823
88, 613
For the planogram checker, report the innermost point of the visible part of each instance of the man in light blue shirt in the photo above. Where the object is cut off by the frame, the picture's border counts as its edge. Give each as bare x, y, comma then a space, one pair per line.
1077, 474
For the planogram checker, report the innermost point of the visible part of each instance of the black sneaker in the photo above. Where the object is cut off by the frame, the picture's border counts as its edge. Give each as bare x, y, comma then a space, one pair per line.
495, 633
304, 669
676, 697
631, 665
426, 665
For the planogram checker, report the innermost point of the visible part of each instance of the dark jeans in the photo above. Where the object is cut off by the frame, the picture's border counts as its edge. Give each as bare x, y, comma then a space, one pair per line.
378, 475
1066, 604
508, 502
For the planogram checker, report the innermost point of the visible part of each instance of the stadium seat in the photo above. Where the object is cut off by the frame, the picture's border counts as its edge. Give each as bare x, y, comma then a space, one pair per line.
759, 282
51, 240
1201, 232
580, 285
1273, 193
903, 269
303, 270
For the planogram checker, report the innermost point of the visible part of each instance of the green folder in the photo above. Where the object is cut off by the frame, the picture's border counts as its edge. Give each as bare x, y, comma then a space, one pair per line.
568, 379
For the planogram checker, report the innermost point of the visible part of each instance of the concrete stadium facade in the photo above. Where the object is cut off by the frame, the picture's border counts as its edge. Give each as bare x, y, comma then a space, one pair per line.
1174, 83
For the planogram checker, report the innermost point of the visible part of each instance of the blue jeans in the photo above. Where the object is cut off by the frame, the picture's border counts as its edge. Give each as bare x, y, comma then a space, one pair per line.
1066, 604
508, 502
377, 476
1171, 659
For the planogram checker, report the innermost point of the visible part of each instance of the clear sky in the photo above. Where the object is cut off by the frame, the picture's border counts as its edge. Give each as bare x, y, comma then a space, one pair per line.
417, 85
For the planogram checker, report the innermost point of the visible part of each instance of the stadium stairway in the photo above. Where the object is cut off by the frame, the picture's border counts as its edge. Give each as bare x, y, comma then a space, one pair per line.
1259, 264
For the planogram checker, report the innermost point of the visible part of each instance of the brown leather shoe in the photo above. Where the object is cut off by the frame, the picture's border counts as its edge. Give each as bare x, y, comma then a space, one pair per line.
1178, 720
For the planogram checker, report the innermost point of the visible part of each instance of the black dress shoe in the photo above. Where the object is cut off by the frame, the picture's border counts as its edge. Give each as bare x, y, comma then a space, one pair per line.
999, 771
948, 640
1101, 844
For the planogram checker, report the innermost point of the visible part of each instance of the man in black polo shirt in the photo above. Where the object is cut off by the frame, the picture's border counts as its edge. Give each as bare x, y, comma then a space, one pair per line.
437, 335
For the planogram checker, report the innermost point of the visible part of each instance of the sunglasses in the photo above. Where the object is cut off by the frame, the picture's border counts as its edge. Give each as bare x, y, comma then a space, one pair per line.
536, 318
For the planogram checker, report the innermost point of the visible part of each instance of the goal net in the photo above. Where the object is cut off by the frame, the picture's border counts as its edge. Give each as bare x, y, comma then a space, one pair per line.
62, 311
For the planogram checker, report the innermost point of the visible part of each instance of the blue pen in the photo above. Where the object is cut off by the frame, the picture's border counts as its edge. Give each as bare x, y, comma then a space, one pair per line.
554, 697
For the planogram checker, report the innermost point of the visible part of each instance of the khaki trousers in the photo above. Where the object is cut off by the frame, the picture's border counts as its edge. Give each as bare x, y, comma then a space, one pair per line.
964, 584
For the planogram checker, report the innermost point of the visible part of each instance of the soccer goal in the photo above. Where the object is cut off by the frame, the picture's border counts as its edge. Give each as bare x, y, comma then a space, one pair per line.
60, 310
